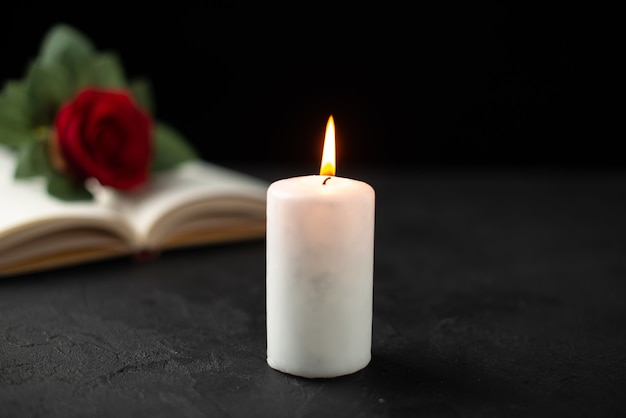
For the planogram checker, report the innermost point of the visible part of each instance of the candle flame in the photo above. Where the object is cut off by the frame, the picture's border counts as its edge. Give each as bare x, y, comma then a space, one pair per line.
327, 167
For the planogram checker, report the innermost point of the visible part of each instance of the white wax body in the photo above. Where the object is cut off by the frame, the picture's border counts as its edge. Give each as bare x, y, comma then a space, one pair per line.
319, 265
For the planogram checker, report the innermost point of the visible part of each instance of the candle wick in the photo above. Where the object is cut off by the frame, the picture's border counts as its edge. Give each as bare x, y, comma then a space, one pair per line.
325, 180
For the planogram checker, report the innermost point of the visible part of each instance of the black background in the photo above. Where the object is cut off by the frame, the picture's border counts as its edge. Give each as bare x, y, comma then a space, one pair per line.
418, 85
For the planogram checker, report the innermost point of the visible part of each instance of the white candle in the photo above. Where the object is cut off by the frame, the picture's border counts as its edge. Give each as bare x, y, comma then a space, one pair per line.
320, 259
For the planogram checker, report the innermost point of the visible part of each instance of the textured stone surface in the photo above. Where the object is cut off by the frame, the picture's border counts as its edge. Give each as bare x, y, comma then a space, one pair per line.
495, 294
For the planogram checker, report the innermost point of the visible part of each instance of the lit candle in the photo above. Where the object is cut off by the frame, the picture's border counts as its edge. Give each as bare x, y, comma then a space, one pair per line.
320, 262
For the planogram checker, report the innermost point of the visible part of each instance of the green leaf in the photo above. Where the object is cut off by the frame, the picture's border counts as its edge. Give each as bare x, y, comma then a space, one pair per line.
47, 88
14, 106
68, 48
14, 91
32, 160
171, 148
14, 137
142, 92
107, 71
15, 120
12, 115
64, 188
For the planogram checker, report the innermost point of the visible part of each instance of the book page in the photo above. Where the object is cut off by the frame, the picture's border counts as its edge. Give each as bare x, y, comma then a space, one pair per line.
35, 225
197, 203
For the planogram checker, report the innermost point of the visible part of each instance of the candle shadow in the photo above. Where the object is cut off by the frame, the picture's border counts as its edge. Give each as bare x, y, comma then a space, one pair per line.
399, 383
398, 373
410, 379
385, 373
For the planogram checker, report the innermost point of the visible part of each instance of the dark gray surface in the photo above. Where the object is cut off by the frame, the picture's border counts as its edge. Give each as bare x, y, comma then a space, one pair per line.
496, 294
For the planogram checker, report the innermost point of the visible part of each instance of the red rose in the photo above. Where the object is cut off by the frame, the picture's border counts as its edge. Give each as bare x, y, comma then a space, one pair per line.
104, 135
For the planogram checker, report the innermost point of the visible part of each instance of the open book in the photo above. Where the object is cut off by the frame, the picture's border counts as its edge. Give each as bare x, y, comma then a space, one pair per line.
198, 203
